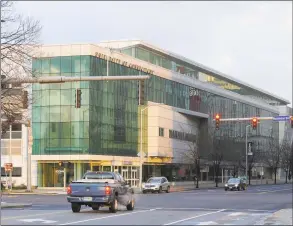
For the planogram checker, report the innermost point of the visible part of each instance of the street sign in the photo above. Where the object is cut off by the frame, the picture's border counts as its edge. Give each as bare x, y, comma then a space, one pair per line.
8, 166
281, 118
249, 145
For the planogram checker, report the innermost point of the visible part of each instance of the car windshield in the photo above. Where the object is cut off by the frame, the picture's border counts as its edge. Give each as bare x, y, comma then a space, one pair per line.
98, 176
234, 180
154, 180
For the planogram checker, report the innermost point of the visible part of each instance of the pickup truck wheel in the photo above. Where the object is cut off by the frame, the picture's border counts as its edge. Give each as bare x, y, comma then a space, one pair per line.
75, 207
130, 206
114, 206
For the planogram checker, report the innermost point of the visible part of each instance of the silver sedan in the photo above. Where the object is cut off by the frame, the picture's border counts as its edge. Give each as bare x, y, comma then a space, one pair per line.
156, 184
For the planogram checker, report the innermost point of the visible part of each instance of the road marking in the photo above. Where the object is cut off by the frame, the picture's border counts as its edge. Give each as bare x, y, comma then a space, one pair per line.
175, 222
237, 214
38, 220
274, 191
118, 215
32, 215
207, 223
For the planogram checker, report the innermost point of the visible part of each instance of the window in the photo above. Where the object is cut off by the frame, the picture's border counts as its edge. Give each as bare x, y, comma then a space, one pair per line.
16, 172
161, 132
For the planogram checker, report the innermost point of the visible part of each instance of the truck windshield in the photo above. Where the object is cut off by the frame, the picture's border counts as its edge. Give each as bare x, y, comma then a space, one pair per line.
99, 176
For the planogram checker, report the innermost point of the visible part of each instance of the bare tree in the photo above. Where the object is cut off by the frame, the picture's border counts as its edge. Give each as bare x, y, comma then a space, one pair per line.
19, 41
192, 157
251, 161
286, 157
273, 155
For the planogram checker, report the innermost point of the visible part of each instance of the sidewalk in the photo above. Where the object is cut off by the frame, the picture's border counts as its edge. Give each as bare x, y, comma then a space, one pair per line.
281, 217
175, 187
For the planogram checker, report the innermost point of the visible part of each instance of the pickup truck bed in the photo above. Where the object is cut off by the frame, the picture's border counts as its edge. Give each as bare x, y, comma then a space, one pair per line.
96, 193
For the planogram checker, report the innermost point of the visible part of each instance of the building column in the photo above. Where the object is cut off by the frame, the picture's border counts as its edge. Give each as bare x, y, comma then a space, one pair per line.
34, 173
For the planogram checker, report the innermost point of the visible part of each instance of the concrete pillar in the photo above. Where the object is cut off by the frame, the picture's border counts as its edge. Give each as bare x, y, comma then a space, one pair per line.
34, 173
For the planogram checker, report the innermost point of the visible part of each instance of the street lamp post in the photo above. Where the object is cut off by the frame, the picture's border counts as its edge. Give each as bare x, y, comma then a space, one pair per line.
246, 154
141, 147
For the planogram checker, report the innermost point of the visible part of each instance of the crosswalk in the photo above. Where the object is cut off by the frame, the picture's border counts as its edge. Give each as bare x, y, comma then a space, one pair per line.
229, 218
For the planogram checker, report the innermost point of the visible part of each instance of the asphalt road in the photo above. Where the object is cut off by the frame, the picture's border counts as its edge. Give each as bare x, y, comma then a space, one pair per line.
200, 207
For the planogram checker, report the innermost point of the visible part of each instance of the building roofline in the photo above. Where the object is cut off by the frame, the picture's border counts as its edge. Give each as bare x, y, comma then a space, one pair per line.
207, 69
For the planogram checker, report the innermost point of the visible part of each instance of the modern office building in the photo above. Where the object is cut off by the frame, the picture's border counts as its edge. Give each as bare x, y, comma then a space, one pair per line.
179, 102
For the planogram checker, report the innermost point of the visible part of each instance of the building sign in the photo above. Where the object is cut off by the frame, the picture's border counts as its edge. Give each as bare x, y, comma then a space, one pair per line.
194, 99
124, 63
8, 167
126, 163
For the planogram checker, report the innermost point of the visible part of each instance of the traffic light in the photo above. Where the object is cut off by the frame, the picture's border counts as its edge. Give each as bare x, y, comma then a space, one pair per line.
217, 121
77, 98
254, 123
141, 92
25, 99
291, 119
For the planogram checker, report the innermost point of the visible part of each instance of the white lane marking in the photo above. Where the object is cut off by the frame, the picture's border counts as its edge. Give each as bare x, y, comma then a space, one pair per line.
207, 223
118, 215
38, 220
237, 214
201, 215
275, 191
33, 215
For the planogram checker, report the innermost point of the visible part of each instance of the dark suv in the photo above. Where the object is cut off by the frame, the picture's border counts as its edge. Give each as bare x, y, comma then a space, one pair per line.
235, 183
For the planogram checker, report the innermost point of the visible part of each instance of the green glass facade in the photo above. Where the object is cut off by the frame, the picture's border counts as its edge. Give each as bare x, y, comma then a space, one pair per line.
107, 122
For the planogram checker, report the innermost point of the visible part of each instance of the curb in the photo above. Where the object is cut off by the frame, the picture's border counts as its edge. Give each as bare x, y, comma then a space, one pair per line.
11, 205
31, 193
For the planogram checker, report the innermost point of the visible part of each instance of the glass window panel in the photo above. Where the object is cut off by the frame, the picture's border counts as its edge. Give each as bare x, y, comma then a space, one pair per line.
66, 97
85, 128
66, 64
36, 67
65, 113
55, 113
66, 85
75, 129
85, 64
36, 130
55, 65
45, 116
66, 130
76, 114
44, 131
75, 63
37, 97
75, 143
45, 97
16, 135
53, 129
65, 143
45, 65
55, 97
54, 86
36, 114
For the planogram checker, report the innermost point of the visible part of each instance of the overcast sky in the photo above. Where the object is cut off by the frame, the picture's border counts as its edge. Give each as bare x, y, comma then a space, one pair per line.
251, 41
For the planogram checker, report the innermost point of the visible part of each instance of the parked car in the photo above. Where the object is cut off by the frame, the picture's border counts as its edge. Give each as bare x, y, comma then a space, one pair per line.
235, 183
156, 184
98, 189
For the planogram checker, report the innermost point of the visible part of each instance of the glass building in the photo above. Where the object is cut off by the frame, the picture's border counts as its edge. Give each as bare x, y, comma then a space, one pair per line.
104, 133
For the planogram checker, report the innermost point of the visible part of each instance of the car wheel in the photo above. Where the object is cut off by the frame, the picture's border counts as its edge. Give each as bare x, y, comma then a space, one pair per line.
75, 207
96, 207
160, 190
226, 189
114, 206
238, 188
144, 192
130, 206
168, 189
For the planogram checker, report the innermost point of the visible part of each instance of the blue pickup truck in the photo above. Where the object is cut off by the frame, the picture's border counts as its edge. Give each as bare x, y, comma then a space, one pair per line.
98, 189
